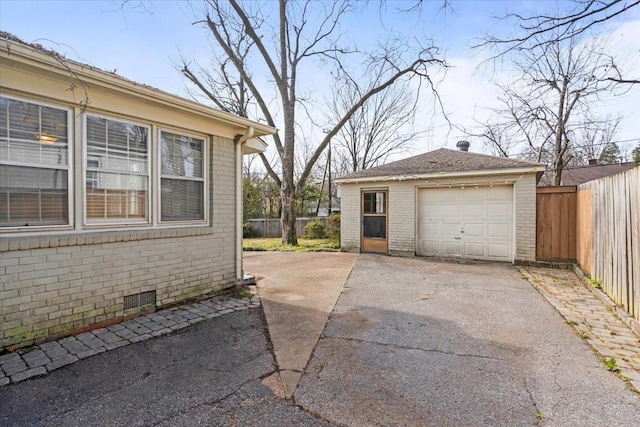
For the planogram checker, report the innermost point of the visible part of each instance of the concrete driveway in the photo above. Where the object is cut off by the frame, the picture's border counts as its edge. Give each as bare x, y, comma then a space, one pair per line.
298, 293
414, 342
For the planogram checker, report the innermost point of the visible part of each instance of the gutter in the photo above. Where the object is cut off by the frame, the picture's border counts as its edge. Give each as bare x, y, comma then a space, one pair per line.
240, 141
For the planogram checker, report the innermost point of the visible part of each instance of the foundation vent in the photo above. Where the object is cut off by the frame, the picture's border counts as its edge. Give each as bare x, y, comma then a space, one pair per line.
143, 299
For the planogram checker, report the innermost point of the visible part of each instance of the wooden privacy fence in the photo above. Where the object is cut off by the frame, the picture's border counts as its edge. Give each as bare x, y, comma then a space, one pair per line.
556, 223
609, 236
270, 227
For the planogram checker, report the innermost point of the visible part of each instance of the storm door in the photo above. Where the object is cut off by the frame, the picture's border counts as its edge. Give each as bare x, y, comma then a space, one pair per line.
374, 221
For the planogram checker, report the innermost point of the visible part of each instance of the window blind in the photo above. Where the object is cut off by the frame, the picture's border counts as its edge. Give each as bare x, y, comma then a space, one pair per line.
34, 164
182, 195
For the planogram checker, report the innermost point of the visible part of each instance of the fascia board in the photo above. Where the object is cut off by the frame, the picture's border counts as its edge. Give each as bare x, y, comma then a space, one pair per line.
459, 174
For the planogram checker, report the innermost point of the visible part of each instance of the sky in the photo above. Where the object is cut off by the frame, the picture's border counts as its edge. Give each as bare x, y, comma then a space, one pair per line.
145, 41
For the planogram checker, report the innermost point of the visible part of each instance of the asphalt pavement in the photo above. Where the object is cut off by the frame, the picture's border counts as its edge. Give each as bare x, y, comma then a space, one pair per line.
218, 372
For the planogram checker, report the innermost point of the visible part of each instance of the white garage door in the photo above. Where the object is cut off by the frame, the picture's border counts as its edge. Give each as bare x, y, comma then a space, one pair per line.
466, 222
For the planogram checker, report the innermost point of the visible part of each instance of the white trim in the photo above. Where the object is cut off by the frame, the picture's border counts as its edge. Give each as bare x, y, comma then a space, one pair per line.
148, 209
206, 141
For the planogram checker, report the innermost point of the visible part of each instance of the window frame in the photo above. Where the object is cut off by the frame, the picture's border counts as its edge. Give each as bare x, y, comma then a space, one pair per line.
127, 222
159, 176
69, 168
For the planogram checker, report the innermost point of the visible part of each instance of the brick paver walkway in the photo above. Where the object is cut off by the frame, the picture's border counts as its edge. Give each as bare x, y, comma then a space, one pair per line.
44, 358
592, 319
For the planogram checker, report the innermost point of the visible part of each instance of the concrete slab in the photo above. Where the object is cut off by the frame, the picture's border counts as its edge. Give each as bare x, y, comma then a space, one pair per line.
415, 342
298, 292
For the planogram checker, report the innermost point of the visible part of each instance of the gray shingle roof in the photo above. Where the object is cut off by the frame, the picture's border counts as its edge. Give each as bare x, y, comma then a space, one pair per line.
441, 160
581, 174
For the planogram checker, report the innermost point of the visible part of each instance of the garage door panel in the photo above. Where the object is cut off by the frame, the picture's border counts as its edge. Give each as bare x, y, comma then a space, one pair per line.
475, 250
499, 251
498, 231
475, 194
450, 229
495, 209
430, 247
474, 230
470, 222
451, 211
432, 228
431, 211
474, 210
451, 249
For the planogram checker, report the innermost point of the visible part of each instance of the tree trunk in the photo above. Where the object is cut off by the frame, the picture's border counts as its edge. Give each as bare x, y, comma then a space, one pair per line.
288, 191
288, 220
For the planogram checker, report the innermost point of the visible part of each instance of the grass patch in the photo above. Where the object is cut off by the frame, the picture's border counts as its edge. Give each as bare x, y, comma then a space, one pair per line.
304, 245
611, 365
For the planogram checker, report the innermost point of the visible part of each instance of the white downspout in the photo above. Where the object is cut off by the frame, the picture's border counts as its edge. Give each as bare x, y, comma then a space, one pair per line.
240, 140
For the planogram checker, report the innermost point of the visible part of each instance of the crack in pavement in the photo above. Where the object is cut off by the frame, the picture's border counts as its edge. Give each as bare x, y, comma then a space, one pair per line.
403, 347
539, 415
214, 402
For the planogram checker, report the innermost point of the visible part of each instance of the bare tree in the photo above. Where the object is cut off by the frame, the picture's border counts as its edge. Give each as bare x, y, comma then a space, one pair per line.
595, 140
549, 101
298, 33
496, 134
382, 127
545, 29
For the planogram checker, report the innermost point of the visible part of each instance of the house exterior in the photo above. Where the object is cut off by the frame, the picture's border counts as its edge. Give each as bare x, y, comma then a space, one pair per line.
444, 203
114, 197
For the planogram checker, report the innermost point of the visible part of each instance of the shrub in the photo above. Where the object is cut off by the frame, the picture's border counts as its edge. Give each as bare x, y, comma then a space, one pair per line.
248, 231
315, 230
333, 226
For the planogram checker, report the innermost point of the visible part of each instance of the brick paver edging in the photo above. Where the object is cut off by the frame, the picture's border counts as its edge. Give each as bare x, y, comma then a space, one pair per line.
42, 359
593, 318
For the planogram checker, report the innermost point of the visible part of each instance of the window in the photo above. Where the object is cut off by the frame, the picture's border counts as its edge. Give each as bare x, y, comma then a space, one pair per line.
374, 203
34, 164
116, 171
182, 189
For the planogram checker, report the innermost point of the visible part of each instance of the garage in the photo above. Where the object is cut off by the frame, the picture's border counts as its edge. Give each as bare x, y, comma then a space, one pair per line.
472, 222
443, 203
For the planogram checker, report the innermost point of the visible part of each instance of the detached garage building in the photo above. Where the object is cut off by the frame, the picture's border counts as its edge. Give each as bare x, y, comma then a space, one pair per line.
443, 203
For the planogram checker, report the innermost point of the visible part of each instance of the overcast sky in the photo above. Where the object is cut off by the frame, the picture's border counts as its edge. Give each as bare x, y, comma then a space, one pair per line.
145, 45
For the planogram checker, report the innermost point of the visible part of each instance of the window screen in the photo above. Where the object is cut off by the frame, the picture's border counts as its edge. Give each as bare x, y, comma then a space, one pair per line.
34, 164
375, 226
182, 177
116, 171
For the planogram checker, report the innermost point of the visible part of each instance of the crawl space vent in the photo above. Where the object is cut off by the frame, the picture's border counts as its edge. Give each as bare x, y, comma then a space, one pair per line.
142, 299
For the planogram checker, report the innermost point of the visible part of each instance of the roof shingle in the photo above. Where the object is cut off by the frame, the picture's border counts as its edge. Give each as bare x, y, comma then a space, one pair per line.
576, 175
441, 160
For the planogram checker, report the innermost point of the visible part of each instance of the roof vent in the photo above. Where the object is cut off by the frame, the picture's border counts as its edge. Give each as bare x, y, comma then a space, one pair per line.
463, 145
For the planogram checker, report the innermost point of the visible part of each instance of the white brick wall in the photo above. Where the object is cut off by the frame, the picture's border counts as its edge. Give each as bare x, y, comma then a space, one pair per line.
50, 285
402, 213
350, 218
525, 201
402, 223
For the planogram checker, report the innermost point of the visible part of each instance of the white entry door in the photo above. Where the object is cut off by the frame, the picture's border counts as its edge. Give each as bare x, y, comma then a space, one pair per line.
466, 222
